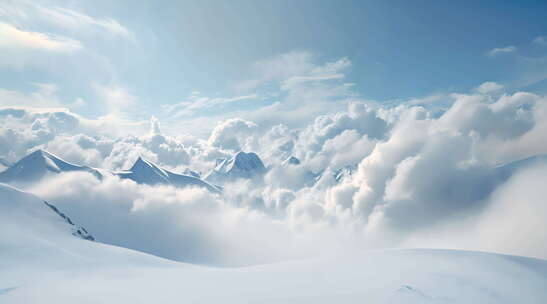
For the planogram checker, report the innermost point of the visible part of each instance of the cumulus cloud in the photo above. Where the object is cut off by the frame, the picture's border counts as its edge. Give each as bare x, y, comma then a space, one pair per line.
232, 134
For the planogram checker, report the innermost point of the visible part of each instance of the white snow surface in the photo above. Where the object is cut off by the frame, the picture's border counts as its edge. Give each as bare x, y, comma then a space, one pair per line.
42, 262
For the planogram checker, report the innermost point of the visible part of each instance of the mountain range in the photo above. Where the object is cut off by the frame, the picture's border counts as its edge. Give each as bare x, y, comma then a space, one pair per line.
40, 164
242, 165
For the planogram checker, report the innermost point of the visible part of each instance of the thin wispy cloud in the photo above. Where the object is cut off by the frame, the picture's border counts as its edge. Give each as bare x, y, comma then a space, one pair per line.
14, 38
73, 21
197, 103
116, 99
540, 40
500, 51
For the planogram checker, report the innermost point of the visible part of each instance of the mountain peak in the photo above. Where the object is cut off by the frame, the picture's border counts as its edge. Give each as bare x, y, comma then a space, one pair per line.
37, 154
140, 162
247, 161
37, 164
291, 160
146, 172
241, 165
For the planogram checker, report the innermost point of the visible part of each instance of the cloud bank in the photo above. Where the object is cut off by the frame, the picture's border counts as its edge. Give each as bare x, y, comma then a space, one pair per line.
369, 176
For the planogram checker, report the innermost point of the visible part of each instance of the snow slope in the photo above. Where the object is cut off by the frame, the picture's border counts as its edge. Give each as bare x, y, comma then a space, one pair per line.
39, 164
28, 210
42, 262
146, 172
241, 165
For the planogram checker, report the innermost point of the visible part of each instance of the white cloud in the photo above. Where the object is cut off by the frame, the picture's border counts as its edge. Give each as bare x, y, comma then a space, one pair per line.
154, 126
16, 39
67, 19
540, 40
296, 80
233, 134
197, 103
116, 98
74, 20
44, 96
188, 225
412, 170
501, 51
489, 87
21, 48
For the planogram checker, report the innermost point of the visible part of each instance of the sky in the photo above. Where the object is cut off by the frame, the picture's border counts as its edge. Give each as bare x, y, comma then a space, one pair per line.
134, 60
416, 124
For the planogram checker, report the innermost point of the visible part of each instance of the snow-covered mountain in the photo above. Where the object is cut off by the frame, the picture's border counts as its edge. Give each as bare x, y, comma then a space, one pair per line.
242, 165
146, 172
291, 161
344, 173
38, 164
16, 203
191, 172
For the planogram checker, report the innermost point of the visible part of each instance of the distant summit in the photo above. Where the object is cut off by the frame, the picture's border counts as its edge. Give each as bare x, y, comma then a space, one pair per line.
146, 172
38, 164
242, 165
291, 160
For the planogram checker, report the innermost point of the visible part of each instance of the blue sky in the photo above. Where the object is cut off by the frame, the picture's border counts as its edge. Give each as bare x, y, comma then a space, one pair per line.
136, 59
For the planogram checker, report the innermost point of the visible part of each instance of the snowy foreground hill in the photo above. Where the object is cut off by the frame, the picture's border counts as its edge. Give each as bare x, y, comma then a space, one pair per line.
42, 261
